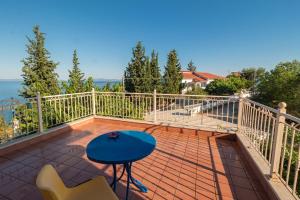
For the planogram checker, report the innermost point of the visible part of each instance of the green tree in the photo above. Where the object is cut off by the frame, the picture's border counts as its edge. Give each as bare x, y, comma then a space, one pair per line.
106, 87
76, 80
227, 86
196, 90
253, 76
191, 66
117, 87
135, 71
90, 84
281, 84
172, 77
155, 72
38, 69
147, 77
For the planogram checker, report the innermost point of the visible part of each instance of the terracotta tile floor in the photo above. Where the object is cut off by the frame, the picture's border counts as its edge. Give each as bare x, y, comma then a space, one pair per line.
185, 165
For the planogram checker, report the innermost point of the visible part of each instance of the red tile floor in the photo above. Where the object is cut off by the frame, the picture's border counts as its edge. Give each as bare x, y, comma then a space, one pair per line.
185, 165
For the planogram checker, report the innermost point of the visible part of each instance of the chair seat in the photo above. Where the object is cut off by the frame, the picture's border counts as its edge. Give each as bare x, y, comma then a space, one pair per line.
95, 189
53, 188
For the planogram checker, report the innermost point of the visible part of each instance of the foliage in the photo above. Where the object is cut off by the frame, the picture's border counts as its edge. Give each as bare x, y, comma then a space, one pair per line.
227, 86
147, 78
38, 70
4, 128
253, 76
155, 73
135, 71
122, 106
90, 84
106, 87
142, 73
172, 77
196, 90
191, 67
281, 84
117, 87
76, 80
27, 116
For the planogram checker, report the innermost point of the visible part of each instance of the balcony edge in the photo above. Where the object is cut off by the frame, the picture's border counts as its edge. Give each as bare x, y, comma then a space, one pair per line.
274, 189
22, 142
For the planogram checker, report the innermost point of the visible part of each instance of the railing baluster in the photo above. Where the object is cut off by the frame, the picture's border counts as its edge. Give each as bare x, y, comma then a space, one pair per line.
296, 172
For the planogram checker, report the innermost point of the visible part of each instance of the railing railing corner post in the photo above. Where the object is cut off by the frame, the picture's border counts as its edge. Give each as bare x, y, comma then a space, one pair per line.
94, 101
154, 106
240, 112
277, 140
40, 114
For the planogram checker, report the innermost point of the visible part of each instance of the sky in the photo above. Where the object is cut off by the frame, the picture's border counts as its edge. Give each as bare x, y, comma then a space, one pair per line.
219, 36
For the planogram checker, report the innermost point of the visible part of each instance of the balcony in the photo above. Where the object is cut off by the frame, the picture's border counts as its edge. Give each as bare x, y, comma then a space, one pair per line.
208, 147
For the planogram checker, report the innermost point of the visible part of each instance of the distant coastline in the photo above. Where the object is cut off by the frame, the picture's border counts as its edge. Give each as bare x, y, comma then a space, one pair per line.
96, 79
9, 88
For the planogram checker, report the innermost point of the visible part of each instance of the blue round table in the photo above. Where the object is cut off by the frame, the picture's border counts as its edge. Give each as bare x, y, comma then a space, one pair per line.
128, 147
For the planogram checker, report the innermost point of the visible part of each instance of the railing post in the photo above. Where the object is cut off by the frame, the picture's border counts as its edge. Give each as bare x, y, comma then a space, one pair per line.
94, 101
40, 114
154, 106
277, 140
240, 112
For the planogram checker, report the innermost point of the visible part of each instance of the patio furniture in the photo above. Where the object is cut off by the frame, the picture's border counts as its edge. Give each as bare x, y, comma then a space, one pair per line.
53, 188
122, 147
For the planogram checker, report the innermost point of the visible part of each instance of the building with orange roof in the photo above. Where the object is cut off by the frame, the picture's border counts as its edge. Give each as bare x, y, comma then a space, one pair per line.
200, 79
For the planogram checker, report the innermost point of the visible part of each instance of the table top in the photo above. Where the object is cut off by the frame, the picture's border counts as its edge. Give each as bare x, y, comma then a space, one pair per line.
129, 146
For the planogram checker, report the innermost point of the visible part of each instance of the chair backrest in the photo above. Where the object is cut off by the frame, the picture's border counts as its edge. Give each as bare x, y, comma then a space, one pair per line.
50, 184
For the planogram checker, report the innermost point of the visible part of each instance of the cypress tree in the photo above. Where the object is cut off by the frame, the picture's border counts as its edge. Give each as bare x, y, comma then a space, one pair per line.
38, 69
155, 72
147, 80
135, 71
76, 77
191, 66
172, 76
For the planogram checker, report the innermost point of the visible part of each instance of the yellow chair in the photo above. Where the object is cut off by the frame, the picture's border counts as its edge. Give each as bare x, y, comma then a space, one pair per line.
53, 188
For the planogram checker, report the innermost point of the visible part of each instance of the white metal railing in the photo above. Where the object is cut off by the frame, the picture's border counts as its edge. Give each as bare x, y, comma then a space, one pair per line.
18, 120
258, 124
276, 137
197, 110
192, 110
45, 112
59, 109
123, 105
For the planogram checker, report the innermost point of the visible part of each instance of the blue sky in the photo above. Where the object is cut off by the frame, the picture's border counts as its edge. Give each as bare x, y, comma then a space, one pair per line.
219, 36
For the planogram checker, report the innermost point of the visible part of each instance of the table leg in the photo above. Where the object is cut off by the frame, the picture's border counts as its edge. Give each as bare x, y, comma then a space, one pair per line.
137, 183
115, 179
128, 179
114, 183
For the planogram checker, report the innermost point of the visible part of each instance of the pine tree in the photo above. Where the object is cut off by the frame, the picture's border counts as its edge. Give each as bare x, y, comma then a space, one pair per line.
76, 77
155, 72
106, 87
90, 84
38, 69
191, 66
135, 71
172, 76
147, 77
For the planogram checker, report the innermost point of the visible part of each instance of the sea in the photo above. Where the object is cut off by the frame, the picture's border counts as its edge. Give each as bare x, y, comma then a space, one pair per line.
10, 88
